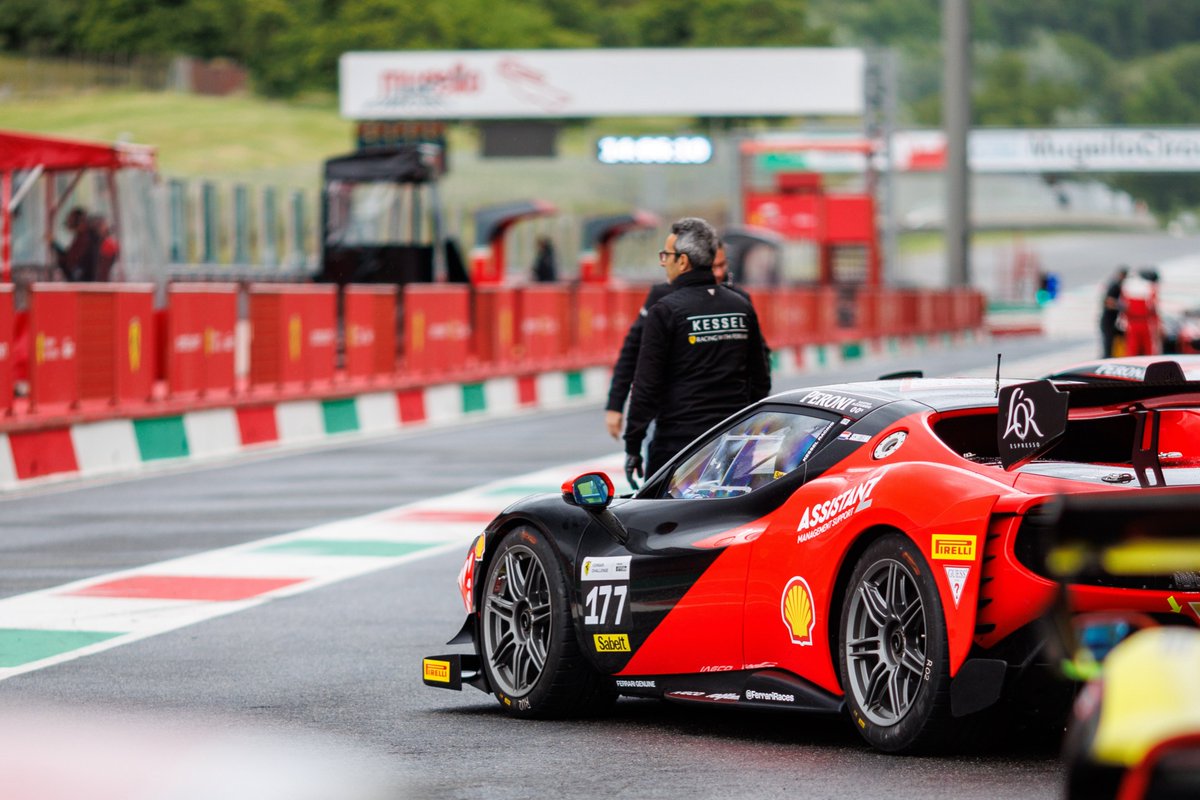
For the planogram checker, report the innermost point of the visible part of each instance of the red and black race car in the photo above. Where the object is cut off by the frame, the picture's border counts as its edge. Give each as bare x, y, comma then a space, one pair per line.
857, 548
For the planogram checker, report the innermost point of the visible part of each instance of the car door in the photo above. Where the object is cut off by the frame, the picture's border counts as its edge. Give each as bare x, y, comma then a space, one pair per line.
690, 541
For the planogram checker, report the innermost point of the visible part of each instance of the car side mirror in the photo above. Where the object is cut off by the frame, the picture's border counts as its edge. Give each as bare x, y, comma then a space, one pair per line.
593, 491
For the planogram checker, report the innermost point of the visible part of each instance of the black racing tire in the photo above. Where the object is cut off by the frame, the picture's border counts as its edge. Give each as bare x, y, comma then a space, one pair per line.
893, 652
528, 647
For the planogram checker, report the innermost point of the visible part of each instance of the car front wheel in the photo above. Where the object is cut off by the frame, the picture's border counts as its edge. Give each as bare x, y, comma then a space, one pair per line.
893, 651
530, 654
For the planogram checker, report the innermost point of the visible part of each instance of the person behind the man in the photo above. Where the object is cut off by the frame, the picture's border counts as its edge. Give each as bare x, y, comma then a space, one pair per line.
701, 356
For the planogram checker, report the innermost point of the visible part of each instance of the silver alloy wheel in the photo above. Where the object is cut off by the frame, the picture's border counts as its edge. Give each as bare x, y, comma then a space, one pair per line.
517, 621
885, 642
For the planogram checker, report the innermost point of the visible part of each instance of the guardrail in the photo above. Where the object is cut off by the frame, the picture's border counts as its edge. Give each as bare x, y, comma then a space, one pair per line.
99, 351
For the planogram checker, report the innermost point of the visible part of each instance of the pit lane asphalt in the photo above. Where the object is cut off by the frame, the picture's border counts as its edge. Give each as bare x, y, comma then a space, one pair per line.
344, 659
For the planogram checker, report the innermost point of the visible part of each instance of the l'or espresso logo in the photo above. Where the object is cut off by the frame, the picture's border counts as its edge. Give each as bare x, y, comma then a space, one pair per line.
1022, 418
611, 642
1032, 416
953, 547
705, 328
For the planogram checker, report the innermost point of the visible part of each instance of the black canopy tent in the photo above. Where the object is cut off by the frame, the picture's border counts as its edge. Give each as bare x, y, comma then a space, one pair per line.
754, 254
374, 234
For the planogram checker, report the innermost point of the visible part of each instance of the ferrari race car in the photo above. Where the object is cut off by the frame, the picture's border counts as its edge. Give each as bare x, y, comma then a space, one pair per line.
1135, 729
861, 549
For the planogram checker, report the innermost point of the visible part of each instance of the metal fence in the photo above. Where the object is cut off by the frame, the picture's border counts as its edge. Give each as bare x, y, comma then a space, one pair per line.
32, 75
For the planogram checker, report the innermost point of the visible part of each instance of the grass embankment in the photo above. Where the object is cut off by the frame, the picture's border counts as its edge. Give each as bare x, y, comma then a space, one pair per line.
233, 138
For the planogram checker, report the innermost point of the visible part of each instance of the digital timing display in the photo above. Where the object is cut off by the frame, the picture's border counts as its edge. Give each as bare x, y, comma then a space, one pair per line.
654, 150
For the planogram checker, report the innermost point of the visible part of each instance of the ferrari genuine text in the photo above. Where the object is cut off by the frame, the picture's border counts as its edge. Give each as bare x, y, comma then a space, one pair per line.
820, 517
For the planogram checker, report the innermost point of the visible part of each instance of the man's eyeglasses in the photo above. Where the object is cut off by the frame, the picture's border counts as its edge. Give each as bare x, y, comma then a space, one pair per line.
662, 255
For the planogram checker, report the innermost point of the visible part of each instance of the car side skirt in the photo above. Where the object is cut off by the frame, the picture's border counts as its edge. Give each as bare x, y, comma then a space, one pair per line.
762, 689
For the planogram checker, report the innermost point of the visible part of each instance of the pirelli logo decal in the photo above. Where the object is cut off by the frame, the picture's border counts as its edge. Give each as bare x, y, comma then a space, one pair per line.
611, 642
438, 671
953, 547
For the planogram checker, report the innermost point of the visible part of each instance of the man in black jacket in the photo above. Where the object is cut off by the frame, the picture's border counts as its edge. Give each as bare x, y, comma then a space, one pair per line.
701, 356
622, 375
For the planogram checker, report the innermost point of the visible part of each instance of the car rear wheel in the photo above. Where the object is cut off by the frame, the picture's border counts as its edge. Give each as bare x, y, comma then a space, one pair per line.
530, 654
893, 652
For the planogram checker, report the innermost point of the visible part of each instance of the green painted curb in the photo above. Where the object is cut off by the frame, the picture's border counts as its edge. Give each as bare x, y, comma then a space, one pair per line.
473, 398
346, 547
161, 437
575, 386
341, 416
19, 646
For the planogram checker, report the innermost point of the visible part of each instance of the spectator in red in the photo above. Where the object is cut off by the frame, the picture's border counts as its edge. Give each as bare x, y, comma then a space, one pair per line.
107, 248
1139, 313
78, 260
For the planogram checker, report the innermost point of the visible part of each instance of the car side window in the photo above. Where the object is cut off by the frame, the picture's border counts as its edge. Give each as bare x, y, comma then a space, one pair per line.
749, 455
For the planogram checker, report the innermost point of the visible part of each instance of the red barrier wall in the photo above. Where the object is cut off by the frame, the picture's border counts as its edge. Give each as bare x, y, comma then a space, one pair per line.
544, 330
201, 323
54, 346
293, 334
116, 342
7, 324
925, 312
370, 331
624, 305
591, 334
826, 306
495, 325
437, 329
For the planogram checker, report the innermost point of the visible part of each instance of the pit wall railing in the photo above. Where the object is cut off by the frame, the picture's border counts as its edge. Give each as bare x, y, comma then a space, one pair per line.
88, 352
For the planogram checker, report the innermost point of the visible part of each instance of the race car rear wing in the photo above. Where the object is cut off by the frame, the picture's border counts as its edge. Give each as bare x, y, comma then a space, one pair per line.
1032, 417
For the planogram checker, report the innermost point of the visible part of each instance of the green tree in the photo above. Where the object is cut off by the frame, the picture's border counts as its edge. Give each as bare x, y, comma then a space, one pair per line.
38, 26
1164, 90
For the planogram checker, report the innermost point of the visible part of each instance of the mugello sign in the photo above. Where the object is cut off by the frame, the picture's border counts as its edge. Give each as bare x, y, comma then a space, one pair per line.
1001, 150
516, 84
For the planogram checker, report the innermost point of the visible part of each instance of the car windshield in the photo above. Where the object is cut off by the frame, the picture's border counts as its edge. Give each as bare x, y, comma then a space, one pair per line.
749, 455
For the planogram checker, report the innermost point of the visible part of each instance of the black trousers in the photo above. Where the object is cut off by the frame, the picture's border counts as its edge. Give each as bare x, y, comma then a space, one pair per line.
663, 448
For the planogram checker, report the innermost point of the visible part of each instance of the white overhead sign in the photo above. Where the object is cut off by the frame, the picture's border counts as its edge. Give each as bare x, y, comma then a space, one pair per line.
1058, 150
522, 84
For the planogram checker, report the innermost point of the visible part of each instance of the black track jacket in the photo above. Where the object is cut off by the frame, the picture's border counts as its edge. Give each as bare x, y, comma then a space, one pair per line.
701, 359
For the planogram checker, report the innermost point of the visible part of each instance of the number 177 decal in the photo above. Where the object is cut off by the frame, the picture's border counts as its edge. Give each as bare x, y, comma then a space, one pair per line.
600, 598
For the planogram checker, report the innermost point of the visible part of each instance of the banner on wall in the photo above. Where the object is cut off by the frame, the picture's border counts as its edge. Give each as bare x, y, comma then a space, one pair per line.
523, 84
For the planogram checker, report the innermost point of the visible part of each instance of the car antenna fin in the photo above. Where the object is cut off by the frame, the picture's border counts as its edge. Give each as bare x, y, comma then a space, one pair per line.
1165, 372
901, 375
998, 373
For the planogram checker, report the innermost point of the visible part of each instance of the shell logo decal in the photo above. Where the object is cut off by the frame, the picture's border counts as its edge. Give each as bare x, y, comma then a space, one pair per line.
798, 611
